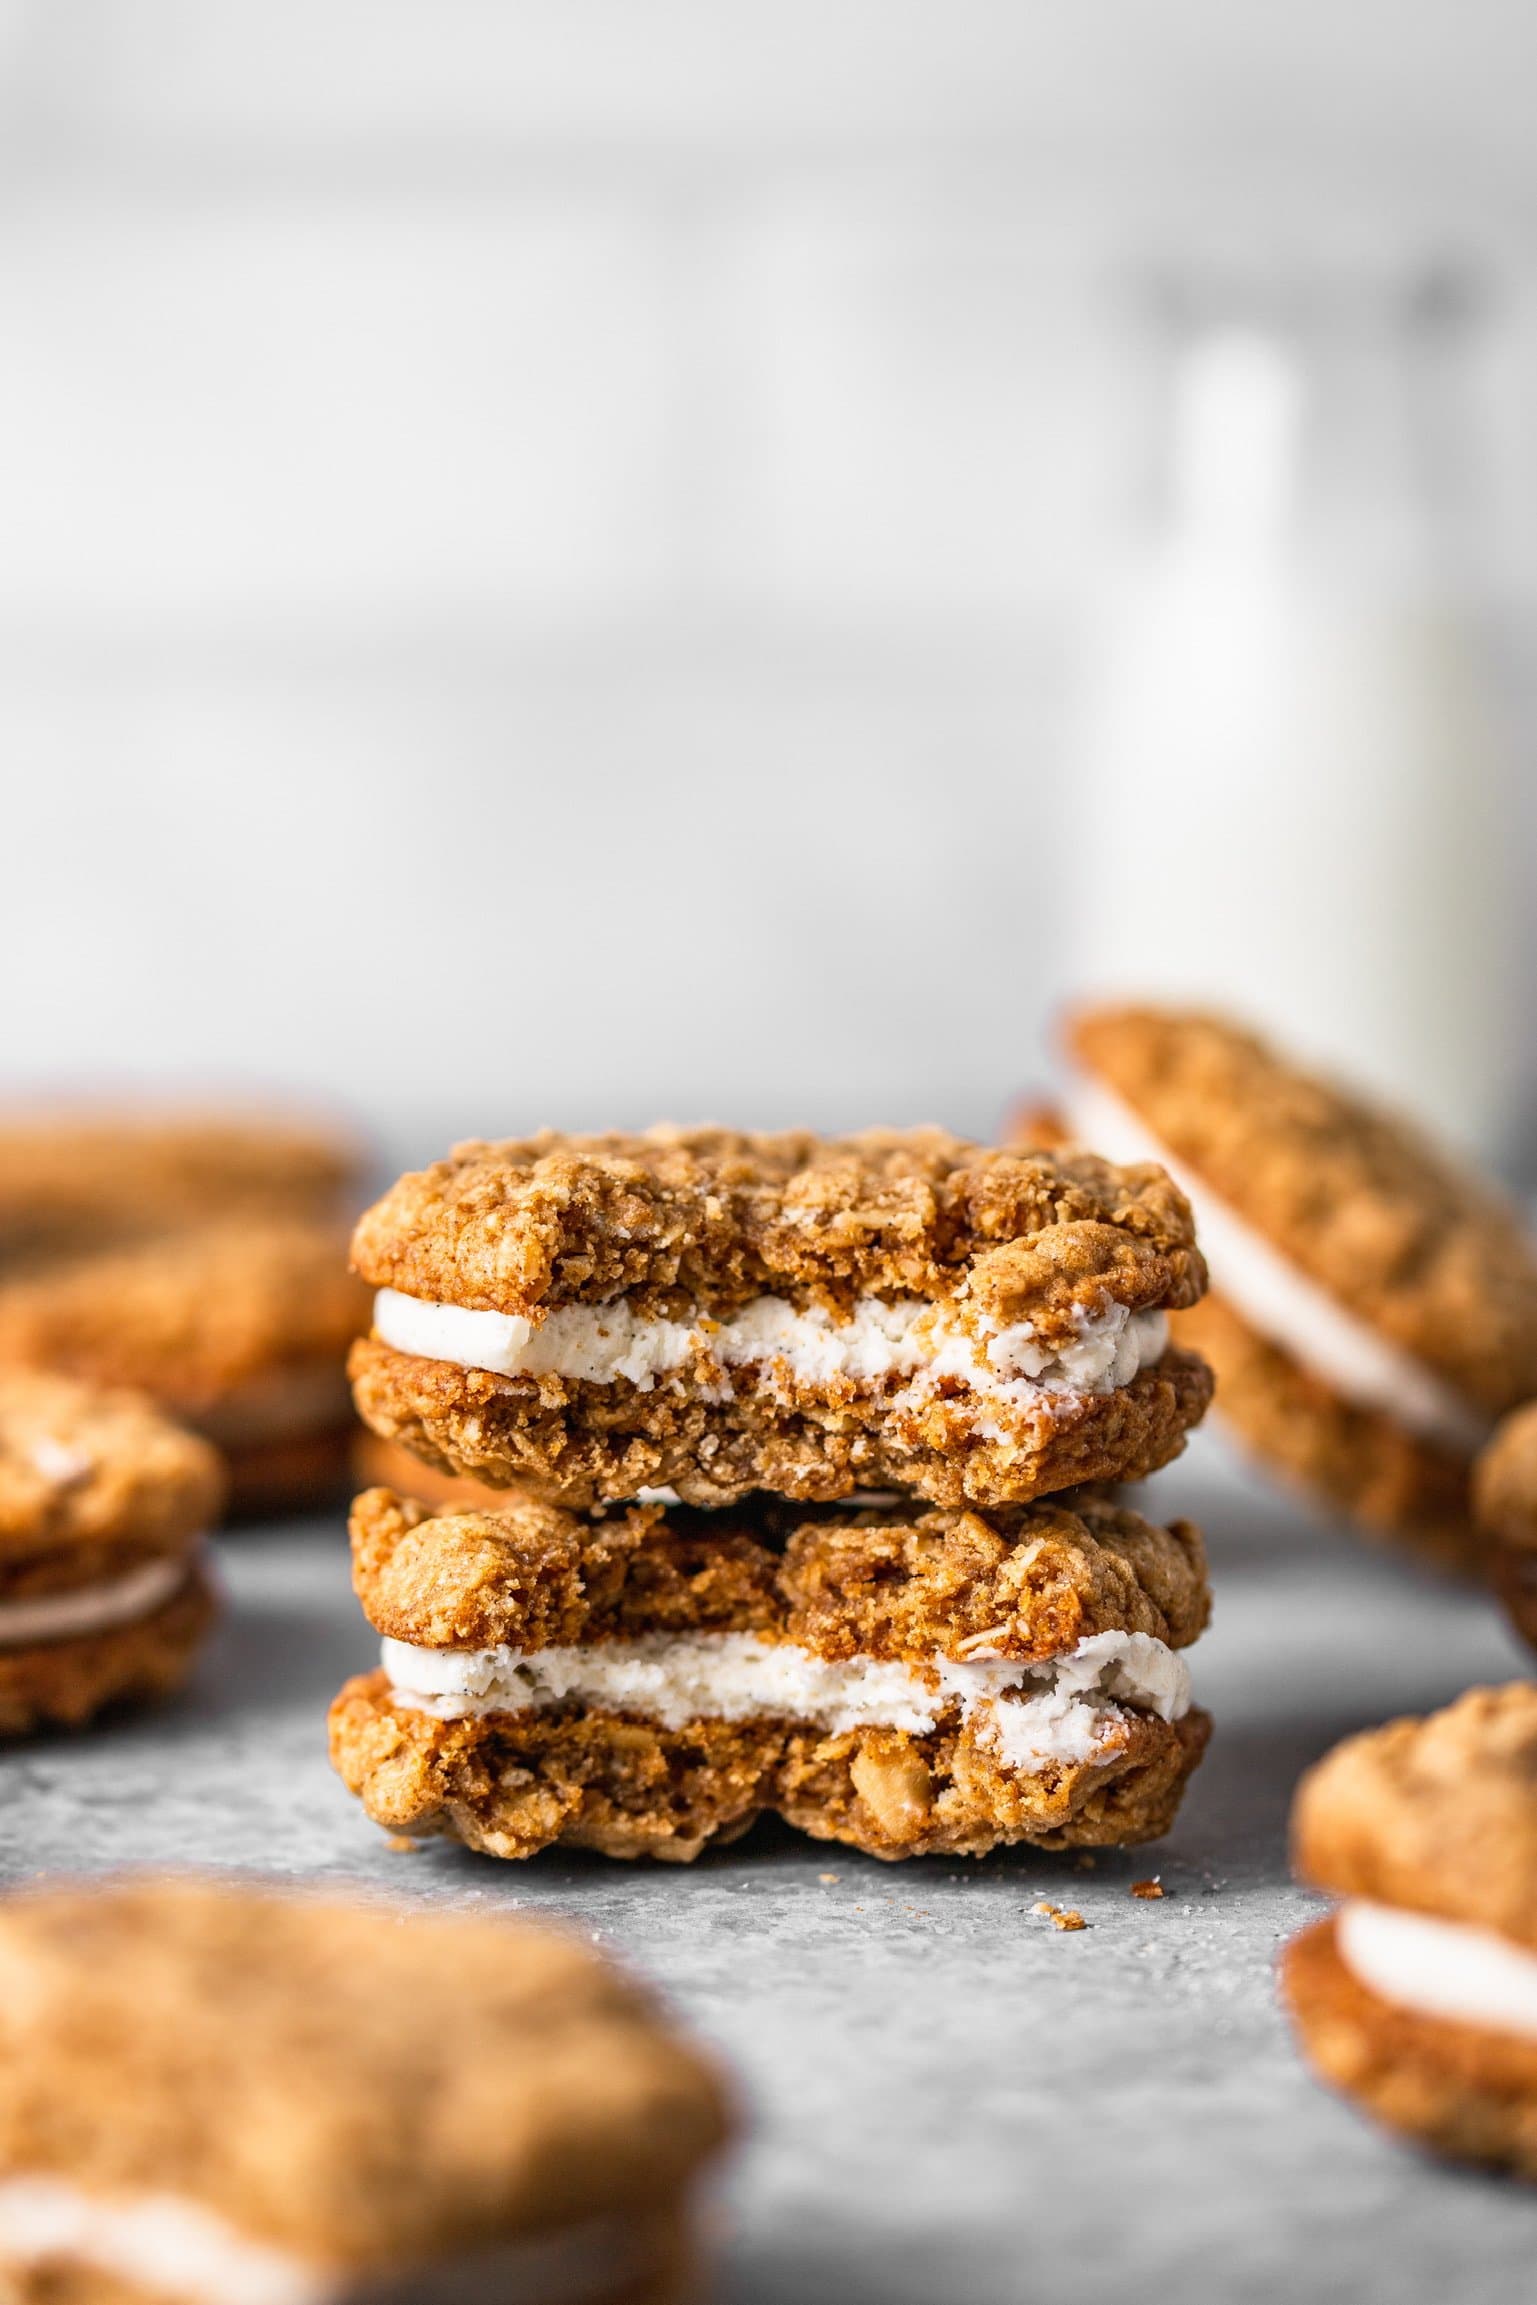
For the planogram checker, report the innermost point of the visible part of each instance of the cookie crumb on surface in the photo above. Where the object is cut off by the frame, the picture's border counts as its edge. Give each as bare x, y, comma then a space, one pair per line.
829, 1878
1060, 1916
1153, 1888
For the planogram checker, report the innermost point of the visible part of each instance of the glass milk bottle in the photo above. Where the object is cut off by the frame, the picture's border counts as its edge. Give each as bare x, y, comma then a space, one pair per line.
1286, 757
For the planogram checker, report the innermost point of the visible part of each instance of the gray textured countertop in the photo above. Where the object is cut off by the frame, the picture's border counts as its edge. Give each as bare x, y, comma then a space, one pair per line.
953, 2103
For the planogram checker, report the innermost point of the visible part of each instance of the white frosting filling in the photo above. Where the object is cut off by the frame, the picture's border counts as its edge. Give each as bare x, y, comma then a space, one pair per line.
1440, 1968
176, 2246
911, 1342
157, 2240
1064, 1709
90, 1608
1282, 1303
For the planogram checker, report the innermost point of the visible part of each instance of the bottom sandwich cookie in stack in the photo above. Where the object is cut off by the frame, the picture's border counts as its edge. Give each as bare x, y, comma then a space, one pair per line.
907, 1680
103, 1506
234, 2096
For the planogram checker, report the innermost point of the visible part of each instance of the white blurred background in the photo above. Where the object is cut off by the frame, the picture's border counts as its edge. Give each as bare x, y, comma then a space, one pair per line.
571, 562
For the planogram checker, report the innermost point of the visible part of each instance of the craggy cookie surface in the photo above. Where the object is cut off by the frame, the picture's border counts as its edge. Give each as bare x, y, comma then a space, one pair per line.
707, 1218
587, 1443
894, 1581
1412, 1243
350, 2082
1438, 1816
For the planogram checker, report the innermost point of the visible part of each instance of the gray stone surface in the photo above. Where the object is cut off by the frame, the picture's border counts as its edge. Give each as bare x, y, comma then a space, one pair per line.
951, 2102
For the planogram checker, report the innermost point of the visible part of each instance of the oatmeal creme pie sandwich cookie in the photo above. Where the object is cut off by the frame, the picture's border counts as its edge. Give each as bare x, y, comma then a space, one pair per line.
906, 1679
103, 1505
229, 2095
1374, 1304
1418, 1997
717, 1313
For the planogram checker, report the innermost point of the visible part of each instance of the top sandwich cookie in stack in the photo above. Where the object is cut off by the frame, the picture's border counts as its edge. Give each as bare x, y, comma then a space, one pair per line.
1374, 1304
698, 1319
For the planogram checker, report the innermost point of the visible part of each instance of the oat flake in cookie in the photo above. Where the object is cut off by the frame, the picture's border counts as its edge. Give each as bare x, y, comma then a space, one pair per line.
1418, 1997
905, 1679
715, 1313
236, 2096
1374, 1304
103, 1505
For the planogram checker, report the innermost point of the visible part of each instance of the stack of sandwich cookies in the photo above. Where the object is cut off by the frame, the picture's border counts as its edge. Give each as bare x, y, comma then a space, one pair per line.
1418, 1997
1505, 1505
103, 1597
717, 1314
1373, 1307
909, 1680
687, 1360
229, 2096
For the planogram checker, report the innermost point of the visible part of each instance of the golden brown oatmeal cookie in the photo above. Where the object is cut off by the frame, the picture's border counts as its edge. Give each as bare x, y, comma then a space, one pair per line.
102, 1506
1416, 1246
86, 1179
584, 1444
1419, 1997
1374, 1305
239, 1329
684, 1220
909, 1681
1335, 1452
416, 2095
1464, 2090
716, 1314
511, 1784
1436, 1815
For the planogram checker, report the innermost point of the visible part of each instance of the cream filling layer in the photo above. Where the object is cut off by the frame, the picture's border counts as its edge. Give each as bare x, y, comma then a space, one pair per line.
1440, 1968
167, 2243
1065, 1709
911, 1341
1278, 1300
91, 1608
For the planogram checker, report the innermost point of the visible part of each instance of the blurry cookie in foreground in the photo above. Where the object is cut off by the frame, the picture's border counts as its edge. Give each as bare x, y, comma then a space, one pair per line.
715, 1314
1505, 1501
103, 1597
86, 1177
1374, 1304
239, 1330
906, 1680
251, 2097
1418, 1997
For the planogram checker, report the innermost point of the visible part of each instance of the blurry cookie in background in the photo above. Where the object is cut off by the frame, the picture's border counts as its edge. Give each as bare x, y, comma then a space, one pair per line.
381, 1464
239, 1330
200, 1259
1417, 1998
1373, 1307
1505, 1500
103, 1504
231, 2092
88, 1177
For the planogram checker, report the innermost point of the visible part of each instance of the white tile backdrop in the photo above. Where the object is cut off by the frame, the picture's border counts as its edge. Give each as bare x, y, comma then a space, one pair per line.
539, 544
